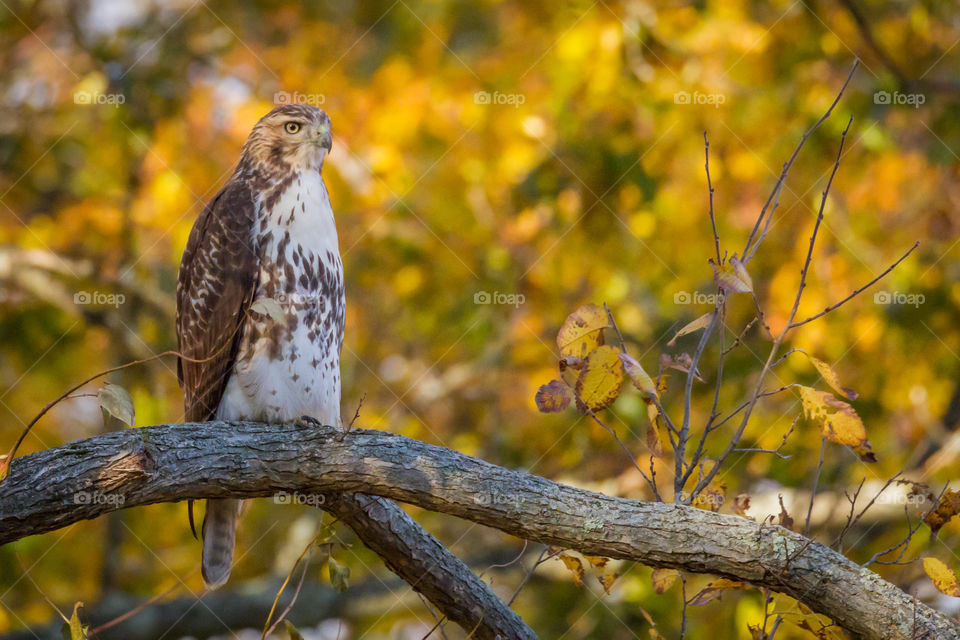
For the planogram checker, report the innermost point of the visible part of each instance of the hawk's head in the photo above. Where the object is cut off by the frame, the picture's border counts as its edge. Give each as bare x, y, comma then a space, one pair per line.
292, 137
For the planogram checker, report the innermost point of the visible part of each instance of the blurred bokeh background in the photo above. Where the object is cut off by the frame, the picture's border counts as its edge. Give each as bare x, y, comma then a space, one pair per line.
495, 165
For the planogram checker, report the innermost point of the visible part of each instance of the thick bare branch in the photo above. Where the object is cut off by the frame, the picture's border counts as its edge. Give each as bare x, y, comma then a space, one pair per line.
427, 566
216, 460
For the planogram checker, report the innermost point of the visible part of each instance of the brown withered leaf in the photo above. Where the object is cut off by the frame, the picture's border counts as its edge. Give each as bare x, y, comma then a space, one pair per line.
943, 578
714, 590
712, 497
820, 634
680, 362
570, 362
601, 379
663, 579
784, 519
741, 504
838, 421
756, 632
582, 332
696, 325
553, 397
948, 507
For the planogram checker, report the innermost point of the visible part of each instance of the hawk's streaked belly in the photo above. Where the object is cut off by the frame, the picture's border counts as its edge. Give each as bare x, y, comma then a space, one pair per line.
291, 368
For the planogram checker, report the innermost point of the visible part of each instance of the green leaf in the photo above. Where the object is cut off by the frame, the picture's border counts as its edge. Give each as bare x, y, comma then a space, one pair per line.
115, 400
339, 575
74, 629
292, 633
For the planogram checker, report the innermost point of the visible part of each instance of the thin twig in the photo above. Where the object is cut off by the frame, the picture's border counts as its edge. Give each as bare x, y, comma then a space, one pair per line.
813, 492
778, 341
747, 250
853, 295
713, 220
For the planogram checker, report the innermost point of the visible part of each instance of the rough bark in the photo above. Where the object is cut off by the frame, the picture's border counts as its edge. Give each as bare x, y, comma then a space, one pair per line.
428, 566
214, 460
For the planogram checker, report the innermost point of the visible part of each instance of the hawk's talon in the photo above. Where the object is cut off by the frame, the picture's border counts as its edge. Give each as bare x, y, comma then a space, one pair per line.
309, 422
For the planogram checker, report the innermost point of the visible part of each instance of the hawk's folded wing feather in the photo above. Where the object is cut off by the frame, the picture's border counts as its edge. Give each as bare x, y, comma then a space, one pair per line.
215, 287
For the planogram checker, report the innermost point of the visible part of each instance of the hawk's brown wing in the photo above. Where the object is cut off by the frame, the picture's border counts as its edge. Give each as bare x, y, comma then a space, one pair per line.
215, 287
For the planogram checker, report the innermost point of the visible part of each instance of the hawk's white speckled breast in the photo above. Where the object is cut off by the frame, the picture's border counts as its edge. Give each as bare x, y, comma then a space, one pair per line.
288, 366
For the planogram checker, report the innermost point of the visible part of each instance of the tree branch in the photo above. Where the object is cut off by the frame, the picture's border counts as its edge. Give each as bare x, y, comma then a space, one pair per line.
427, 566
84, 479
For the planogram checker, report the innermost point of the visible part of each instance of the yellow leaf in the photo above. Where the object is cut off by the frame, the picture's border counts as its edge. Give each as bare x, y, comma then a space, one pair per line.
575, 567
732, 276
607, 581
601, 378
582, 332
842, 426
553, 397
641, 380
663, 579
831, 378
943, 578
696, 325
597, 562
714, 589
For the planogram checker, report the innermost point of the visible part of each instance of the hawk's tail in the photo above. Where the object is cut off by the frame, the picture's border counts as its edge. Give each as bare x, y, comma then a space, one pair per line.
219, 534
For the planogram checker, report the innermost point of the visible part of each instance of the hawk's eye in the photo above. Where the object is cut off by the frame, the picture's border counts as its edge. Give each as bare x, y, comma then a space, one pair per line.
291, 127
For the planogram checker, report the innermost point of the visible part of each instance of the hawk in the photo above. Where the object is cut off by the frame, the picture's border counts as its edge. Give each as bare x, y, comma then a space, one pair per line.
260, 299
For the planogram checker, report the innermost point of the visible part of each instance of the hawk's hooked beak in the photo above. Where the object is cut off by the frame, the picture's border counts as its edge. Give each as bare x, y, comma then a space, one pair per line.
323, 138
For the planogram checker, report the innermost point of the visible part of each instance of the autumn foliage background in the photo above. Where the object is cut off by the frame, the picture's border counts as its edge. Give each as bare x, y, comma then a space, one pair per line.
495, 165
